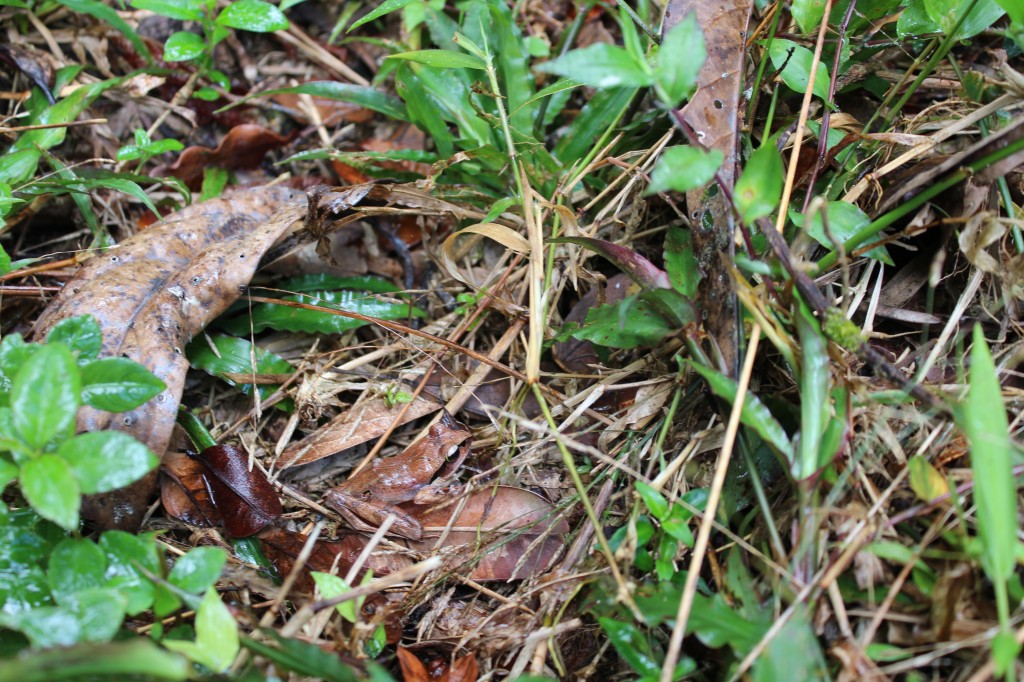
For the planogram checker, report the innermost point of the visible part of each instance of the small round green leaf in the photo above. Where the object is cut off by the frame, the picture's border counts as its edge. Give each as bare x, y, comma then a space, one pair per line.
45, 394
253, 15
198, 570
75, 565
126, 555
795, 62
107, 460
681, 169
81, 334
50, 487
183, 46
118, 384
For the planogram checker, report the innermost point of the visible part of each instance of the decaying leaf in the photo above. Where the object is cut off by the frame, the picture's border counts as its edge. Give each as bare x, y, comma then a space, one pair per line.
244, 146
152, 294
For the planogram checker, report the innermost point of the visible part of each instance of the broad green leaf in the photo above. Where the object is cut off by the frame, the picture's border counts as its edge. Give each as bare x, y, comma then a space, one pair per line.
808, 14
1014, 8
75, 565
107, 15
794, 654
50, 487
324, 282
285, 318
331, 586
754, 414
815, 410
601, 66
118, 384
44, 396
5, 258
632, 644
683, 168
759, 187
653, 499
232, 355
304, 658
81, 334
679, 60
107, 460
127, 555
215, 179
443, 59
681, 263
364, 96
198, 570
795, 62
717, 624
984, 421
385, 7
629, 323
216, 635
183, 46
99, 613
253, 15
182, 10
136, 658
925, 480
944, 15
844, 221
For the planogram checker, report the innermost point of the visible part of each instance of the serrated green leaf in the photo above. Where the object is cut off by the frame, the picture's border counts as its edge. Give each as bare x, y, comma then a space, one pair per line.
107, 460
75, 565
45, 396
759, 187
183, 46
118, 384
81, 334
443, 59
253, 15
601, 66
679, 60
680, 169
50, 487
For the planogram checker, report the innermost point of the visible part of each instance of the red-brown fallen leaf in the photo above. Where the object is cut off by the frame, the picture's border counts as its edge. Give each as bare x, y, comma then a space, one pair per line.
496, 530
152, 294
184, 493
579, 356
413, 669
464, 669
331, 112
244, 146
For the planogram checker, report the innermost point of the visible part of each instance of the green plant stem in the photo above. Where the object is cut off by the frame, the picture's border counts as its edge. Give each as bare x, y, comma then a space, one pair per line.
581, 490
195, 429
624, 6
752, 109
916, 202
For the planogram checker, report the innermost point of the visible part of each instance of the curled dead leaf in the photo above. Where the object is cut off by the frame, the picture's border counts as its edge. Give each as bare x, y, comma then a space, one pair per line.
505, 236
244, 146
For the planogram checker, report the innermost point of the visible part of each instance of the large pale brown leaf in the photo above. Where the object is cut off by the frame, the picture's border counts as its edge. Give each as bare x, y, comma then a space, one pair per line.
152, 294
713, 114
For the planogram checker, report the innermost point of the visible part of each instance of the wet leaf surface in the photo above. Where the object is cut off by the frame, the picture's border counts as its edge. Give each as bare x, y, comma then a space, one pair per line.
244, 146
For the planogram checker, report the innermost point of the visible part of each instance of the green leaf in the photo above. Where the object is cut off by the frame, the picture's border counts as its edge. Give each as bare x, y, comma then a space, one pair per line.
1014, 8
75, 565
808, 14
138, 657
197, 571
759, 187
815, 376
653, 499
285, 318
107, 15
844, 221
944, 15
754, 413
367, 97
50, 487
183, 46
118, 384
253, 15
304, 658
444, 59
680, 169
126, 556
107, 460
216, 635
182, 10
385, 7
232, 355
629, 323
215, 179
679, 60
44, 396
925, 480
601, 66
681, 263
794, 655
985, 423
331, 586
81, 334
796, 68
99, 613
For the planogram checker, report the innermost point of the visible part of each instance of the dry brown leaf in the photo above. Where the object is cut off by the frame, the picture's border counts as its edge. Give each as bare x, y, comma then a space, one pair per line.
364, 421
152, 294
244, 146
505, 236
579, 356
413, 669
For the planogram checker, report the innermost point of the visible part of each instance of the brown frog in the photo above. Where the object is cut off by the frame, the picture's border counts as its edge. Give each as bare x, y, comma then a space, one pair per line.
421, 474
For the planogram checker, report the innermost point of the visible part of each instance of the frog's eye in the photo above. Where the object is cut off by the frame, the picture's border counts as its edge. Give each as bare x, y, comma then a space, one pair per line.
452, 451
